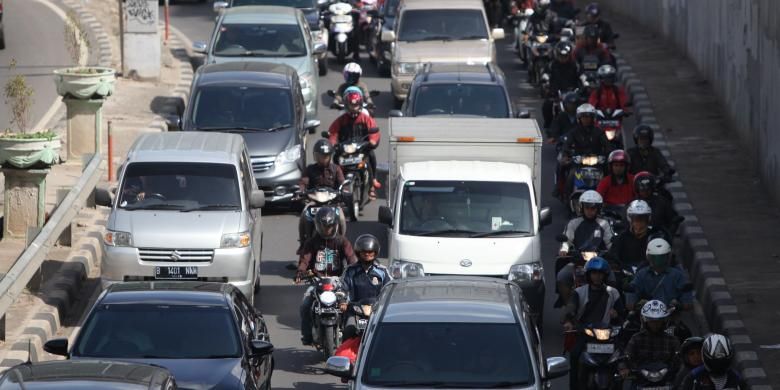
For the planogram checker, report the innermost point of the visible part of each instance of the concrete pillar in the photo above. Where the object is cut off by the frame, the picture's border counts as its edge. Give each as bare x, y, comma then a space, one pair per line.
85, 120
25, 201
141, 39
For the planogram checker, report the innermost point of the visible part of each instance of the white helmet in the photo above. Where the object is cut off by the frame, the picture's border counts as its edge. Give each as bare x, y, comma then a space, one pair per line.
658, 246
586, 109
543, 3
638, 207
591, 197
654, 310
352, 72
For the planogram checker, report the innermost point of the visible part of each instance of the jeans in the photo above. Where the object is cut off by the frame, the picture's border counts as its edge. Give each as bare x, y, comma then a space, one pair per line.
305, 313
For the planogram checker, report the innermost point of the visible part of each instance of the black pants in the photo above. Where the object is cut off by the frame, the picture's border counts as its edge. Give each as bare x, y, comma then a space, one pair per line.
371, 167
574, 363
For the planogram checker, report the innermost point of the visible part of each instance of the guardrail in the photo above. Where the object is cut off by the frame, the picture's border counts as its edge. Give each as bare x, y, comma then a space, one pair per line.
30, 261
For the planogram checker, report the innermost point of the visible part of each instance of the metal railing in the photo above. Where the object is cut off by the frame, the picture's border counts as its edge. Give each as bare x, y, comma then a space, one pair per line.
29, 262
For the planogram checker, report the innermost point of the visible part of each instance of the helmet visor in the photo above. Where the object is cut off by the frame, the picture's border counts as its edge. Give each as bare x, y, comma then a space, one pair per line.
658, 261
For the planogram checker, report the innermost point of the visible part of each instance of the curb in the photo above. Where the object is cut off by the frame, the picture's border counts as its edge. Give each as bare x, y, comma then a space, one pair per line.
58, 294
719, 308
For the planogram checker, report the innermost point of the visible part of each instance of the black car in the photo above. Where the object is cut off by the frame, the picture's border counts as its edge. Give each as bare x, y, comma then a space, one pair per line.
264, 103
379, 51
459, 90
206, 334
87, 374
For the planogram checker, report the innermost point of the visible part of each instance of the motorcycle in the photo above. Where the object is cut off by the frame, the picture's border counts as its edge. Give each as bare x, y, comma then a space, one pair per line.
599, 359
577, 258
352, 156
369, 10
540, 56
616, 217
362, 310
319, 197
586, 175
326, 317
520, 25
611, 122
653, 376
341, 28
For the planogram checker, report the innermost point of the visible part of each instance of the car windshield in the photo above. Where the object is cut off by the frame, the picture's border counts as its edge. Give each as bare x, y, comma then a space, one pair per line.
241, 107
266, 40
461, 99
148, 331
467, 355
471, 208
442, 24
180, 186
284, 3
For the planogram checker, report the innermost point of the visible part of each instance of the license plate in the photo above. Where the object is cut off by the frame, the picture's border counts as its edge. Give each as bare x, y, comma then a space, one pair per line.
362, 323
175, 273
601, 348
656, 388
350, 160
609, 123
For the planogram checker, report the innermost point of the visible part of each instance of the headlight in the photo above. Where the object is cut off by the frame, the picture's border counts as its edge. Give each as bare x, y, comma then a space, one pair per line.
407, 67
655, 376
405, 269
588, 255
350, 148
112, 238
602, 334
235, 240
289, 155
305, 80
611, 134
590, 160
531, 272
328, 298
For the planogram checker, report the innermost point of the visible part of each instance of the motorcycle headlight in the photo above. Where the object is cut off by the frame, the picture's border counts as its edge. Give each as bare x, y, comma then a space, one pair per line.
602, 334
588, 255
235, 240
327, 298
611, 134
590, 160
405, 269
289, 155
531, 272
541, 38
112, 238
407, 67
350, 148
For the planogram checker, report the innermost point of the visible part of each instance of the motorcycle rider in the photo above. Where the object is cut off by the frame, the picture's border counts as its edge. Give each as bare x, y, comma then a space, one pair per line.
593, 17
327, 253
564, 9
352, 72
617, 188
651, 344
664, 215
356, 122
690, 355
564, 76
566, 120
592, 47
584, 139
323, 173
593, 303
646, 157
629, 248
716, 372
363, 279
660, 280
608, 97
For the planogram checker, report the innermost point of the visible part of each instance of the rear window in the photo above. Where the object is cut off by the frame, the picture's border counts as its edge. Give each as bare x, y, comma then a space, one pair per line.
461, 99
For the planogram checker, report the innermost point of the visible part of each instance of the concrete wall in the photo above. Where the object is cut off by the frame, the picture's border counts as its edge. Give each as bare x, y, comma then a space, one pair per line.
736, 46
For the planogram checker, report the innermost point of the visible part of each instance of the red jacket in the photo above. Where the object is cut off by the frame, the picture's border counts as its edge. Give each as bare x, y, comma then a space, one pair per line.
346, 123
608, 97
616, 194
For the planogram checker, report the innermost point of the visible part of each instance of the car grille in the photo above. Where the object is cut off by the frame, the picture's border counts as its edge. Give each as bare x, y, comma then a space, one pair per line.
262, 163
176, 255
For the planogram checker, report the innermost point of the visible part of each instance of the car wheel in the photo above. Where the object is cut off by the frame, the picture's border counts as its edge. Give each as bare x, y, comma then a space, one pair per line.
322, 64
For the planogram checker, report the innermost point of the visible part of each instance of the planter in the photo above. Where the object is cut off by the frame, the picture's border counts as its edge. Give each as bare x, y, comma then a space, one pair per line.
29, 152
89, 82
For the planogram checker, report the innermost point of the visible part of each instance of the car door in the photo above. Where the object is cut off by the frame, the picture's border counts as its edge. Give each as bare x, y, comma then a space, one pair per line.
259, 367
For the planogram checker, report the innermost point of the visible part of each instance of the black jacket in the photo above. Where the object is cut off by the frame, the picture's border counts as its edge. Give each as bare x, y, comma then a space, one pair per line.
587, 140
629, 250
563, 76
650, 160
562, 124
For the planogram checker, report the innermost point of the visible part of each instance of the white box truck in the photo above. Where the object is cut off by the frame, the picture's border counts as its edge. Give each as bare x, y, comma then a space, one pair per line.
463, 199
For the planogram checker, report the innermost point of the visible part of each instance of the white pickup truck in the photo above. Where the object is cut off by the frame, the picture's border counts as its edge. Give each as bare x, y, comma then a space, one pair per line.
463, 200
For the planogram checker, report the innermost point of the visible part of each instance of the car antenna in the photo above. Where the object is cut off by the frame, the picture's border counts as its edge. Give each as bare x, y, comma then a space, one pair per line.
29, 351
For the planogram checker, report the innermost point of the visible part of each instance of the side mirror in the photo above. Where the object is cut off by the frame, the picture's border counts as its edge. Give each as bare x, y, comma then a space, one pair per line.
388, 36
338, 366
57, 347
331, 93
525, 114
395, 114
556, 367
373, 130
257, 199
173, 121
220, 5
385, 215
497, 33
320, 48
561, 238
373, 93
545, 217
199, 47
325, 134
102, 197
311, 125
261, 348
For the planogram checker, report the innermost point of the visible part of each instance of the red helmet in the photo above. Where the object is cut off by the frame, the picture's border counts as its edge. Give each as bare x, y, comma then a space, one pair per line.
354, 102
618, 156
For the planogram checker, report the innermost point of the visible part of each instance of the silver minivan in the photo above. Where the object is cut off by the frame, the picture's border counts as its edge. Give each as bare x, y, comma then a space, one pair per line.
187, 207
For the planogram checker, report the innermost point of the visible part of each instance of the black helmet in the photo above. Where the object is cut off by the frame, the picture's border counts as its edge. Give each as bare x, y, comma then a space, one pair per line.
323, 147
563, 49
689, 344
643, 131
367, 243
593, 9
644, 181
591, 31
571, 98
717, 353
326, 218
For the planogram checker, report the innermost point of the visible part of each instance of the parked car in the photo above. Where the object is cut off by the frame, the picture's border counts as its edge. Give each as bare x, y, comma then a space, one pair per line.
450, 332
207, 334
477, 90
312, 10
380, 51
264, 103
87, 374
268, 34
168, 223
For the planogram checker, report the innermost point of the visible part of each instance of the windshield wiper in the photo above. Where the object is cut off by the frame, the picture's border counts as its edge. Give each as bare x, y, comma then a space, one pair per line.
472, 37
218, 357
277, 128
442, 384
231, 129
212, 207
435, 38
501, 384
160, 206
499, 233
445, 231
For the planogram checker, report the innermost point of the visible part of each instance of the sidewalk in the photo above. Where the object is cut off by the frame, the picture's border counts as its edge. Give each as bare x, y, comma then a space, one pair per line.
733, 210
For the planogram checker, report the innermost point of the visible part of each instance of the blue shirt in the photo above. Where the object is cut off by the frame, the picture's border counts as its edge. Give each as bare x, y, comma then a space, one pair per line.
664, 286
361, 284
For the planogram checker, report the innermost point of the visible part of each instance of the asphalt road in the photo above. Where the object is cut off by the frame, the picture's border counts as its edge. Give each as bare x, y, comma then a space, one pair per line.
298, 366
34, 37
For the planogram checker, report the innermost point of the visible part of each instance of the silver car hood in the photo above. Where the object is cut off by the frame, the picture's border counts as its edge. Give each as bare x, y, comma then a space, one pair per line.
174, 229
476, 51
298, 63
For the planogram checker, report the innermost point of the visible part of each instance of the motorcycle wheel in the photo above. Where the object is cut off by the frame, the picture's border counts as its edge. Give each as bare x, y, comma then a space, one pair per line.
328, 340
357, 198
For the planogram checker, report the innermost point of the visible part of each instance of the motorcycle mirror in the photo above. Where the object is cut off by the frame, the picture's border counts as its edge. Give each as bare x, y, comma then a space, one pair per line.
331, 93
561, 238
325, 134
525, 114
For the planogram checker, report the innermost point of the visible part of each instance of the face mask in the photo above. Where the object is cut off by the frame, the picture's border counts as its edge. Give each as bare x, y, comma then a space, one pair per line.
659, 261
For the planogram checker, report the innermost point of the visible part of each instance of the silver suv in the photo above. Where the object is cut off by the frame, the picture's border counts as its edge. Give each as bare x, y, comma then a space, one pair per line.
187, 208
450, 332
